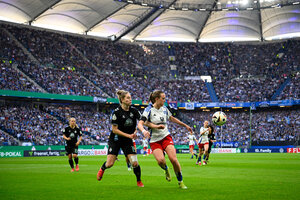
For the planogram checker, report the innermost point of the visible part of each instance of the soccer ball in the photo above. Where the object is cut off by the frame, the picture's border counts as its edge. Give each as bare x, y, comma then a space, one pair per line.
219, 118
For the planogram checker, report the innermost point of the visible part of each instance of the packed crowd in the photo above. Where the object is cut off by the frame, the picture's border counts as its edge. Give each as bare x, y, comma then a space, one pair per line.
239, 72
276, 125
60, 81
239, 90
291, 91
28, 124
7, 140
236, 128
42, 124
94, 124
11, 79
266, 126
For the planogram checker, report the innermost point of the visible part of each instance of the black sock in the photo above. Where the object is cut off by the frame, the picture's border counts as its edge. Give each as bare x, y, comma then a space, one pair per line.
137, 172
76, 160
71, 163
164, 167
103, 166
179, 176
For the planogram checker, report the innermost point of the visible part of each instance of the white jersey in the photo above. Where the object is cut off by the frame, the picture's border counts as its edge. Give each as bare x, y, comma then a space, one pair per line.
145, 143
204, 137
157, 116
191, 139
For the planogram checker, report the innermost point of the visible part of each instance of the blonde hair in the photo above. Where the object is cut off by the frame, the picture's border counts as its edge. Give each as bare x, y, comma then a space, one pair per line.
121, 95
155, 94
75, 121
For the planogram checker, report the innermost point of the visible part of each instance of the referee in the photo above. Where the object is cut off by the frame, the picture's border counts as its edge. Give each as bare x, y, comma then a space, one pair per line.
70, 134
124, 121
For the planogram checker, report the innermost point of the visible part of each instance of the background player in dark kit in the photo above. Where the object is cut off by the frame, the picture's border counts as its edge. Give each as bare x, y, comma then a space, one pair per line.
70, 134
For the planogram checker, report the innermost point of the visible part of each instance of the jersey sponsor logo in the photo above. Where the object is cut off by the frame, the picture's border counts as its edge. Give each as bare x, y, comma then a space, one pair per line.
72, 135
128, 122
114, 117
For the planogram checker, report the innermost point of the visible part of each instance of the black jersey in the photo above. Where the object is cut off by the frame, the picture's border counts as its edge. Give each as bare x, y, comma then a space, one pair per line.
211, 137
126, 121
73, 133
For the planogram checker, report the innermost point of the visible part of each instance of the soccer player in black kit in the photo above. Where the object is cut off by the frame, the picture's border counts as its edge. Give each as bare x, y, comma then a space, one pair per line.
124, 121
211, 138
70, 134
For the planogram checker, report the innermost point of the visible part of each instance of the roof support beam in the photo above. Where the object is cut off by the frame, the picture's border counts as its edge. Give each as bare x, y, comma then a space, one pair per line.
260, 21
158, 9
208, 15
153, 10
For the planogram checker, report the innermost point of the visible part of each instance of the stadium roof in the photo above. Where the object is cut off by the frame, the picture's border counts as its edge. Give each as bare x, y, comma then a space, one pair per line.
162, 20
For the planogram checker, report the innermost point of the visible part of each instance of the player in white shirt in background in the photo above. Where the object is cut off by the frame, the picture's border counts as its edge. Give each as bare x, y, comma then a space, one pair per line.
145, 146
161, 141
192, 138
203, 143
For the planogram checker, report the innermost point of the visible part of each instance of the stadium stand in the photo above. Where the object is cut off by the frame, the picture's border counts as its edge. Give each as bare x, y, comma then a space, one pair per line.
240, 73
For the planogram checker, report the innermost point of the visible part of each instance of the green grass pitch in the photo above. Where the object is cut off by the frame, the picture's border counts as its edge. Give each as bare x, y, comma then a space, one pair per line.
227, 176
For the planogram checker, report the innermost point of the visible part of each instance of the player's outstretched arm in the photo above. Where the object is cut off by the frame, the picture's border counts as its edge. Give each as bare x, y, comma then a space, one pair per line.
142, 129
151, 125
177, 121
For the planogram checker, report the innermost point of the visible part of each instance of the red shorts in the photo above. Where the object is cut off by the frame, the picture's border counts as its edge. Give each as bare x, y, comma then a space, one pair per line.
134, 144
192, 146
201, 146
162, 144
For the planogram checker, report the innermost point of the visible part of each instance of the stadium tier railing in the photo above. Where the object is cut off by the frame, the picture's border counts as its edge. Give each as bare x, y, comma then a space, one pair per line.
180, 105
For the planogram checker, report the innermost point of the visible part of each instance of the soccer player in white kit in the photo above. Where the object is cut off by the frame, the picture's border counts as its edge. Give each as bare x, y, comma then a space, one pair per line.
192, 138
203, 143
160, 138
145, 146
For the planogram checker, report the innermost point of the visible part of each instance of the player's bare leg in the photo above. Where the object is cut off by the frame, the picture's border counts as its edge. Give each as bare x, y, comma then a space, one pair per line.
161, 161
107, 164
170, 150
205, 153
76, 162
136, 168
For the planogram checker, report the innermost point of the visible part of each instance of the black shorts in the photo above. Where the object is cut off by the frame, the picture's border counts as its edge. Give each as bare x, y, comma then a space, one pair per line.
71, 150
115, 146
209, 148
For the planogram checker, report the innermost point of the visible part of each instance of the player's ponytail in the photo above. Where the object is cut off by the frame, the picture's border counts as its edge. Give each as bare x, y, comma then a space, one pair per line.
155, 94
212, 129
121, 95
